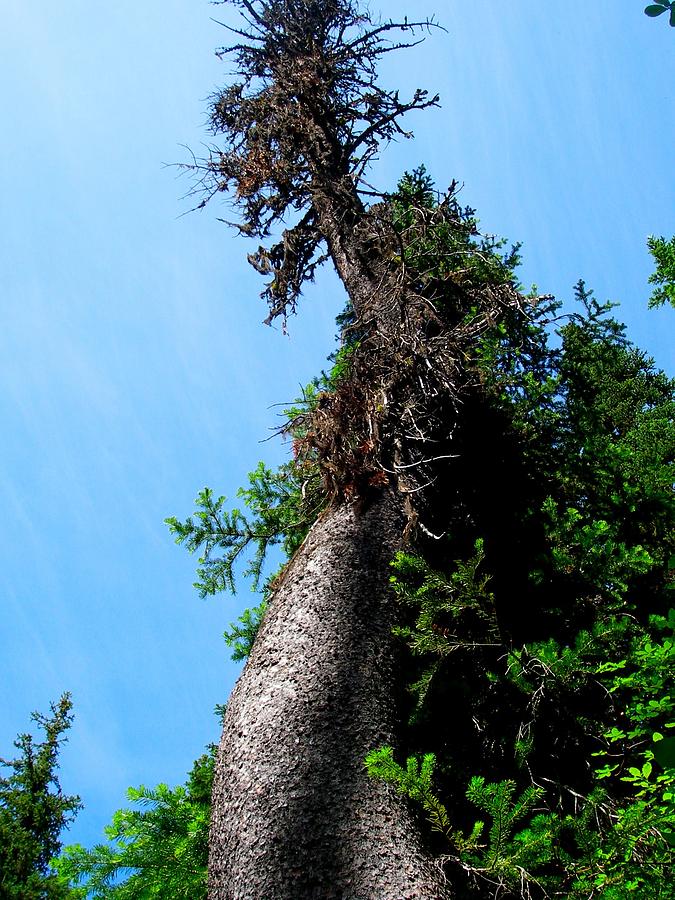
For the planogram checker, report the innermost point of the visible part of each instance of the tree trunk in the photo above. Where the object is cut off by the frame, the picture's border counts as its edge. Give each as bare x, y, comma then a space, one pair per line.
294, 814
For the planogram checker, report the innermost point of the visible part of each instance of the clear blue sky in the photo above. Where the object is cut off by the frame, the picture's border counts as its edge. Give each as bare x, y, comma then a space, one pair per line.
133, 366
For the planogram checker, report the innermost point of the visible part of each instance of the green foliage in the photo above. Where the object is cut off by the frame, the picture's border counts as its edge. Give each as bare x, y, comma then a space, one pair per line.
534, 851
280, 507
34, 811
660, 7
508, 855
242, 633
277, 515
415, 781
157, 849
566, 696
631, 845
462, 597
592, 550
454, 612
505, 859
663, 252
617, 421
447, 249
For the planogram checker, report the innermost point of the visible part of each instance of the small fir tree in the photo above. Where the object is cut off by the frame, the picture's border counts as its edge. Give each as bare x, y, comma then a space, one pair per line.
34, 811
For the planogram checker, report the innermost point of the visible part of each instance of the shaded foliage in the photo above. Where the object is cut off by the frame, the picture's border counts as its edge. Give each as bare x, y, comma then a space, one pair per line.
549, 650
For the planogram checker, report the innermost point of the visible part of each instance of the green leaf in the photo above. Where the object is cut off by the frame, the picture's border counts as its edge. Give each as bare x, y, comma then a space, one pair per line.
655, 10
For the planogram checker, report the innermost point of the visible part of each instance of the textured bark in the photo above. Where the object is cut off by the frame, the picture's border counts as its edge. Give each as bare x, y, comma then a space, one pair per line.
294, 814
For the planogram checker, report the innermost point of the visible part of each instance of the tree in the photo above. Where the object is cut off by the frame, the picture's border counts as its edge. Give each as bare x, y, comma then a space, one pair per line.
34, 811
293, 812
523, 492
539, 626
157, 849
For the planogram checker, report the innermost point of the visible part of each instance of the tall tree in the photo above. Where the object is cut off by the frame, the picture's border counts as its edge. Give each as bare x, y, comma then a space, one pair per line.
293, 812
34, 811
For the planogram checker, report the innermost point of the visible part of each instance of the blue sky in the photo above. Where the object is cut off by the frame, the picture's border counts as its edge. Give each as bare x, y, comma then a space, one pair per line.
134, 368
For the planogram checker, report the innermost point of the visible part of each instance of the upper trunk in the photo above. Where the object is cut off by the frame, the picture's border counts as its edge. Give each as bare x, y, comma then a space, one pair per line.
294, 813
361, 244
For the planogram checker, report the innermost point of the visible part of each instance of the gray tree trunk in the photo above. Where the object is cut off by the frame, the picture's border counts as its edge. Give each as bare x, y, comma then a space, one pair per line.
294, 814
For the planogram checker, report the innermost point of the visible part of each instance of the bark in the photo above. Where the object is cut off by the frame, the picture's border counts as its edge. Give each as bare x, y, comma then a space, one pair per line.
294, 814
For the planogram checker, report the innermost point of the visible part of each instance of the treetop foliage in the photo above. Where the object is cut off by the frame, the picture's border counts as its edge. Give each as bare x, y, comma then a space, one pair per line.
34, 810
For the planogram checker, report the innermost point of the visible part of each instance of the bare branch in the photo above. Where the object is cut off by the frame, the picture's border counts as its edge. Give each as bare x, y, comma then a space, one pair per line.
303, 112
245, 34
392, 119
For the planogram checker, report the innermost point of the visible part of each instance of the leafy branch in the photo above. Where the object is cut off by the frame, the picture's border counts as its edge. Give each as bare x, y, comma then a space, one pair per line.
158, 847
277, 515
505, 860
415, 781
661, 7
663, 252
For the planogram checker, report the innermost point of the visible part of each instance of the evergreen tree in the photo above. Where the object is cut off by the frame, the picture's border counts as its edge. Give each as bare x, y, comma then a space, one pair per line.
553, 644
538, 625
293, 811
34, 811
522, 488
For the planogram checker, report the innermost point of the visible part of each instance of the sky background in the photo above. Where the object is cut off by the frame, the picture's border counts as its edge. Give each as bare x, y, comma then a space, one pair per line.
134, 368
